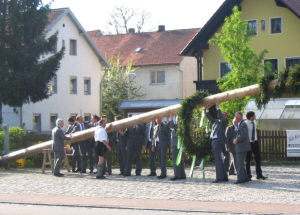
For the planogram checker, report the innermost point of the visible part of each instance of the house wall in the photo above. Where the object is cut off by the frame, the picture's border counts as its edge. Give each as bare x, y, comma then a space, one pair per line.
84, 65
189, 68
279, 46
171, 89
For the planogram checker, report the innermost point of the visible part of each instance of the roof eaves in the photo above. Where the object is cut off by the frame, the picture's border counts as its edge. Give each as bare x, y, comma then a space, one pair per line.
282, 3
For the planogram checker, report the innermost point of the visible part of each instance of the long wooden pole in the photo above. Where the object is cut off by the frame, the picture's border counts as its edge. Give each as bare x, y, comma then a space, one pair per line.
138, 119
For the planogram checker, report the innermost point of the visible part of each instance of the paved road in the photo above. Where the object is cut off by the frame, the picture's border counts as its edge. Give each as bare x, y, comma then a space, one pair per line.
279, 194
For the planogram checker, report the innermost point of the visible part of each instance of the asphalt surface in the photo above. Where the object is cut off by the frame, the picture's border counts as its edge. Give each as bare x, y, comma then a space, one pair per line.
279, 194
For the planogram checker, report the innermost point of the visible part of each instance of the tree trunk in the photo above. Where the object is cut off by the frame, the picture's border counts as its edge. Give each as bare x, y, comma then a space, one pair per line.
135, 120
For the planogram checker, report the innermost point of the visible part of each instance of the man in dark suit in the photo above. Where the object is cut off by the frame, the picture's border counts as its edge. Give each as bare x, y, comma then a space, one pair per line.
121, 143
218, 140
135, 144
76, 159
58, 138
162, 137
149, 140
85, 146
242, 146
179, 172
255, 149
230, 147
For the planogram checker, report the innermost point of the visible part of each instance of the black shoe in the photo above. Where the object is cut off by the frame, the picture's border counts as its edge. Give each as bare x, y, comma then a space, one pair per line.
161, 176
138, 174
184, 177
127, 174
109, 173
248, 179
239, 182
261, 177
101, 177
59, 175
152, 174
73, 170
175, 178
95, 172
121, 174
82, 171
225, 179
216, 181
232, 173
91, 171
77, 170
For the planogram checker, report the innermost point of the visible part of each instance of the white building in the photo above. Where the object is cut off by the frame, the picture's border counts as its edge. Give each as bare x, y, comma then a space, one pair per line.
75, 90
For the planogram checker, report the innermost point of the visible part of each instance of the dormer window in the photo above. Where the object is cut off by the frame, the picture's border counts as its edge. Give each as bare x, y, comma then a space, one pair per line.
138, 50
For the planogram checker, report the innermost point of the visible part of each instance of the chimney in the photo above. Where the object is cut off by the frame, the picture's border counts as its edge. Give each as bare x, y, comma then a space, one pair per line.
131, 31
161, 28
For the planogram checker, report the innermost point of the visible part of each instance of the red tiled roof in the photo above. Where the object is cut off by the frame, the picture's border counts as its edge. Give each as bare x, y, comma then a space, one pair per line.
293, 5
157, 48
54, 14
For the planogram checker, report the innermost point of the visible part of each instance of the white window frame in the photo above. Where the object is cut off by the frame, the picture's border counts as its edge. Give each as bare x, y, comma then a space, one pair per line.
272, 59
156, 71
270, 25
220, 67
53, 85
289, 58
88, 90
73, 47
251, 20
73, 87
36, 127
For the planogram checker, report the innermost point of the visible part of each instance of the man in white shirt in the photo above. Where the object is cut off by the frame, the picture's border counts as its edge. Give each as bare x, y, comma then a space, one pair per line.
255, 149
101, 140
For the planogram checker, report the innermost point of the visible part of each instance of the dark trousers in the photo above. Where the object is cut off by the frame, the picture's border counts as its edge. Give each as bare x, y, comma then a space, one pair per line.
138, 155
232, 166
221, 173
107, 163
226, 158
122, 157
257, 157
162, 158
58, 156
76, 156
178, 170
86, 147
152, 156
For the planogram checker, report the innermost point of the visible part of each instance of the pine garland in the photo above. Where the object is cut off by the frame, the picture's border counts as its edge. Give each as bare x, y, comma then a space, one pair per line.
193, 138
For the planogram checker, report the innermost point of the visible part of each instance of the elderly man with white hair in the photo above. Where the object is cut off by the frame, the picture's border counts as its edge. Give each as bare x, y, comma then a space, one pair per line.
58, 138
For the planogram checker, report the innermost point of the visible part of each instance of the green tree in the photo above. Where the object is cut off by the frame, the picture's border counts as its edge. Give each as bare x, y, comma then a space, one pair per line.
24, 75
118, 85
234, 42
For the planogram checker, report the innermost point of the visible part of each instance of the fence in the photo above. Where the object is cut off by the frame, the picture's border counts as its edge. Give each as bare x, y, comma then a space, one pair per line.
273, 145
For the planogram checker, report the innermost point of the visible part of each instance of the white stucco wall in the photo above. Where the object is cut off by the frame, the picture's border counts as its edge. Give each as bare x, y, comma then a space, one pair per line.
189, 67
171, 89
84, 65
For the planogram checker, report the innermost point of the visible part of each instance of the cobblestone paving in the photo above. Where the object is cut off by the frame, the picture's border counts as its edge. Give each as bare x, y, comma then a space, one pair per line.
282, 186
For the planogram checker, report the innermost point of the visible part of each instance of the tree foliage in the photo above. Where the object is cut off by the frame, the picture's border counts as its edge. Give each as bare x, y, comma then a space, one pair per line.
118, 85
24, 74
234, 42
122, 18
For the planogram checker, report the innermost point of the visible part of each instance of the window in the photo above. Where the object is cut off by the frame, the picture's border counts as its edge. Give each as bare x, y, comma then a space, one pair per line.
73, 115
272, 63
54, 48
252, 26
158, 77
87, 86
53, 118
276, 25
73, 85
73, 47
225, 68
63, 43
292, 62
53, 85
87, 117
37, 122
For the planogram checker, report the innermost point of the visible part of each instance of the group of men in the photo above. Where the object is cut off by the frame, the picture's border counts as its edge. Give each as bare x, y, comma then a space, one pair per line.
132, 141
240, 140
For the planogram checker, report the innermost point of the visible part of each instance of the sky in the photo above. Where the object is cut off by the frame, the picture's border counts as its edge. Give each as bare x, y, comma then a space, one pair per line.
94, 14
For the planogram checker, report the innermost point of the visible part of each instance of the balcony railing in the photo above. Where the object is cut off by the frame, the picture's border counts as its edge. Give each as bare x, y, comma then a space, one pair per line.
210, 85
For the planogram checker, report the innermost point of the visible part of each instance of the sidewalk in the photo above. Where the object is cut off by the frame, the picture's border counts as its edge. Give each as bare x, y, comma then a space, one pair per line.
278, 194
